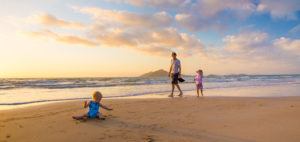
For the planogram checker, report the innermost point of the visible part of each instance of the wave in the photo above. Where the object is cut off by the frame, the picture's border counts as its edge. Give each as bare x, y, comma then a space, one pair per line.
144, 91
62, 83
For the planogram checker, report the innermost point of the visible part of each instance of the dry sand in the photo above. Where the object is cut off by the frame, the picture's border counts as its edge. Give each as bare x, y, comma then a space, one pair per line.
210, 119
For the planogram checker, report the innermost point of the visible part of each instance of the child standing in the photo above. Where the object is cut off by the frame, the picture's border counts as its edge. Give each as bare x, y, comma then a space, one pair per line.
198, 81
94, 107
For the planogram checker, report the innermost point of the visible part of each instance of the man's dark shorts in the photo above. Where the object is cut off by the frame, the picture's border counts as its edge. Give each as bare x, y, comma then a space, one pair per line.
175, 78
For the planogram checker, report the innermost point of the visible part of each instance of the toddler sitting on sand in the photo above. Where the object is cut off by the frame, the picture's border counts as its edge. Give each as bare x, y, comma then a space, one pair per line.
94, 107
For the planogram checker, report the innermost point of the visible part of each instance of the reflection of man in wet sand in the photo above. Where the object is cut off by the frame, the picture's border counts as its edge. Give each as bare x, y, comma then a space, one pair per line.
174, 73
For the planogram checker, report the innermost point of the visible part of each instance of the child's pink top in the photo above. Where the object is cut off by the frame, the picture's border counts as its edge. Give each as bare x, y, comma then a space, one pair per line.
198, 79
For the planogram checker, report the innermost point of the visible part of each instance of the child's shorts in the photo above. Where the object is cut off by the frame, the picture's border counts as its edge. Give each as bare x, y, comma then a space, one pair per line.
199, 86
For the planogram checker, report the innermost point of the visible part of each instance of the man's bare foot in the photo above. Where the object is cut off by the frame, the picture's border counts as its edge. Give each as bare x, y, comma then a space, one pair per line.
171, 96
180, 94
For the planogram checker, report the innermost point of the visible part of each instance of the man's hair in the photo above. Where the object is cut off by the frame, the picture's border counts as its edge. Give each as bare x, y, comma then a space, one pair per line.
173, 53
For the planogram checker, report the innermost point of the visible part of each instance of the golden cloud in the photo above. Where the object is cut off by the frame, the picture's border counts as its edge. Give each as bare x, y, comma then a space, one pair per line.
50, 20
69, 39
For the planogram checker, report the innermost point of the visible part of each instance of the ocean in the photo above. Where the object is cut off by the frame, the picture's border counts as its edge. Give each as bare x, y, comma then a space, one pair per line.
35, 90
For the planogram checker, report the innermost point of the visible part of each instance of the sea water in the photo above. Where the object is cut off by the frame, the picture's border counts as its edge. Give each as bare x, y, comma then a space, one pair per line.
35, 90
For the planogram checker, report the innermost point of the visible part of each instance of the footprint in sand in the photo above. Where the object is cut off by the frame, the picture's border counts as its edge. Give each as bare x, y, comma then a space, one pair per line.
8, 136
261, 105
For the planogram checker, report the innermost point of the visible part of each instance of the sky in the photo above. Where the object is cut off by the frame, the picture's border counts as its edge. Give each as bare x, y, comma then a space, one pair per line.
104, 38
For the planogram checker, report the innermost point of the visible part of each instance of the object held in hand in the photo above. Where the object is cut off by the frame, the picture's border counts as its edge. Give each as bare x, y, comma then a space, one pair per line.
181, 79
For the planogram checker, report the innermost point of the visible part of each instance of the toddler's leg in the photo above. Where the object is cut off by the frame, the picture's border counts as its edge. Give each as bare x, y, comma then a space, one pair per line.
81, 117
99, 117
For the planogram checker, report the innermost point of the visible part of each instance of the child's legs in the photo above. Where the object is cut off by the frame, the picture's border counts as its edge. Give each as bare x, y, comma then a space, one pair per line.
99, 116
197, 88
201, 87
84, 116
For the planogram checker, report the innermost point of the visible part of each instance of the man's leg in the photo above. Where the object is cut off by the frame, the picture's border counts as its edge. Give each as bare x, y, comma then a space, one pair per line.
173, 87
178, 87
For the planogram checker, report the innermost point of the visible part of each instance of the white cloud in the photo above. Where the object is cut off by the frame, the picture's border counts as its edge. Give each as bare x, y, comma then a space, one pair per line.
245, 41
290, 45
280, 8
257, 47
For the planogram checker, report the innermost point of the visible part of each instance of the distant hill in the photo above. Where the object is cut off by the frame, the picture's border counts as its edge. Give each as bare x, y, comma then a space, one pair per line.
158, 73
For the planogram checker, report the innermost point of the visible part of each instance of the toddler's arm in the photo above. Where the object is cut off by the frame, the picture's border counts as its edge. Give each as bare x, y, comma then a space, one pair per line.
105, 107
86, 104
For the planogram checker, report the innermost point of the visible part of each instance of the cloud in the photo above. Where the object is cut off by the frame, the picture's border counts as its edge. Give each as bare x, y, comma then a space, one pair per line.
153, 3
256, 47
202, 15
193, 22
117, 17
50, 20
245, 41
280, 8
147, 33
68, 39
210, 8
199, 15
159, 41
290, 45
209, 14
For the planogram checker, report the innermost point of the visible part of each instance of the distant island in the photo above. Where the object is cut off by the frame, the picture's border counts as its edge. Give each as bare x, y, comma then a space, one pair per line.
157, 73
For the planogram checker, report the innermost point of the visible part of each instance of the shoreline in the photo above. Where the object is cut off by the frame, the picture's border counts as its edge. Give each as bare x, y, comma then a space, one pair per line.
248, 91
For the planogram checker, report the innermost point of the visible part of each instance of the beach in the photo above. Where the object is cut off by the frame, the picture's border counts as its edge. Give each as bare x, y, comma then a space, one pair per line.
150, 71
208, 119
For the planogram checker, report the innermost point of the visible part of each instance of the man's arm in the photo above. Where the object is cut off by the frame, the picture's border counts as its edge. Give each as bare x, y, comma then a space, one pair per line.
179, 68
170, 69
105, 107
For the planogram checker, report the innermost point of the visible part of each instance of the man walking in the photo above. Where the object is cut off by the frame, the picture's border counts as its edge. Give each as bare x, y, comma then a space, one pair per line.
174, 73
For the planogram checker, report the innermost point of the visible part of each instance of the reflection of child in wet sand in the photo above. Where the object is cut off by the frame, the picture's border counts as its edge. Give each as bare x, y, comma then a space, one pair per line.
94, 106
198, 81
